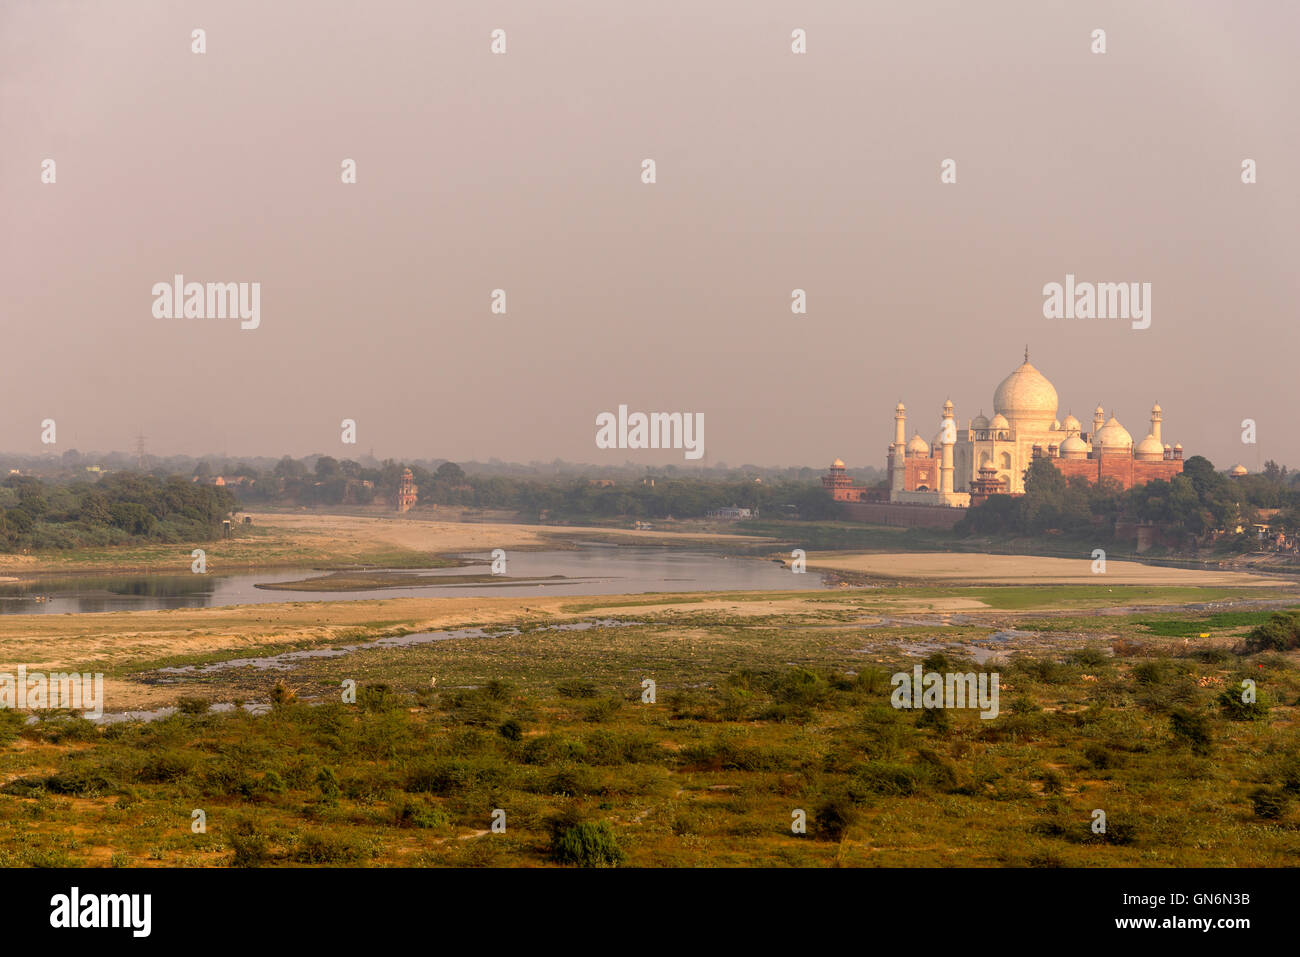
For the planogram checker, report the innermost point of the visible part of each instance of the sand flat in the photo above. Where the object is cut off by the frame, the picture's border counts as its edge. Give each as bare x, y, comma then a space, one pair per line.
981, 568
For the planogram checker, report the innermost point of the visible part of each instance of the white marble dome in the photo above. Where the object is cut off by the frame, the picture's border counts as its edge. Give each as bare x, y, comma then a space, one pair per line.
918, 446
1074, 448
1113, 436
1149, 449
1026, 397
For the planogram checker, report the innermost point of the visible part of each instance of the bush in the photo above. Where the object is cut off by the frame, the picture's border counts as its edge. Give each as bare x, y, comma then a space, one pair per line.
1090, 658
601, 710
249, 845
511, 730
1280, 633
833, 817
316, 847
1270, 803
576, 688
1100, 757
585, 844
192, 706
1193, 729
378, 698
1235, 709
163, 767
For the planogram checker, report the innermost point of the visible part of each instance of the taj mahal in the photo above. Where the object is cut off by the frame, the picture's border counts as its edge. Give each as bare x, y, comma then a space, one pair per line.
960, 467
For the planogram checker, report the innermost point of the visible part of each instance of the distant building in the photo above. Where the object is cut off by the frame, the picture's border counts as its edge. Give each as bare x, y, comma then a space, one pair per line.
991, 456
733, 514
842, 489
407, 491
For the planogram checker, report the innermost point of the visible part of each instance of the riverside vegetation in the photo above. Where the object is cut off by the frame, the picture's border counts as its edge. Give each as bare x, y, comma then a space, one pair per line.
754, 719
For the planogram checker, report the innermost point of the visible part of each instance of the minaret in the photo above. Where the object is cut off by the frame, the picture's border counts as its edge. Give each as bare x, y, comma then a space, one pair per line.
1098, 420
1156, 415
900, 448
949, 436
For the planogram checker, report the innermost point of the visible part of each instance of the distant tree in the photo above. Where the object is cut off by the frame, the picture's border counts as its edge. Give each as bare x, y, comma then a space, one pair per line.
450, 473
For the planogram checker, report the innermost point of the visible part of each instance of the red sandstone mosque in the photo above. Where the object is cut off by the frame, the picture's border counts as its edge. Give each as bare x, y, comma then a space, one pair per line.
962, 467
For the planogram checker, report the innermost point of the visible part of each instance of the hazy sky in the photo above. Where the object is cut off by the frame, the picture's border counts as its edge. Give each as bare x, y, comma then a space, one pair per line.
775, 171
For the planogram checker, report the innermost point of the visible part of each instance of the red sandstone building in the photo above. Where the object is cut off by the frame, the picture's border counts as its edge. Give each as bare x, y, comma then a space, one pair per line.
407, 491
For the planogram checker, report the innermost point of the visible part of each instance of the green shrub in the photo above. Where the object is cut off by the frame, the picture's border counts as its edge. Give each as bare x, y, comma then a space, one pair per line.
576, 688
586, 844
1192, 728
1280, 633
602, 710
316, 847
249, 845
1235, 709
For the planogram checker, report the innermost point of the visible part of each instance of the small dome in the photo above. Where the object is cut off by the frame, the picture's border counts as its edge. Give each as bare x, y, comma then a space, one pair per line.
1238, 470
1149, 449
918, 446
1074, 448
1056, 425
999, 422
1179, 446
1112, 435
1168, 449
947, 405
900, 407
1156, 408
980, 421
1071, 424
837, 464
1099, 410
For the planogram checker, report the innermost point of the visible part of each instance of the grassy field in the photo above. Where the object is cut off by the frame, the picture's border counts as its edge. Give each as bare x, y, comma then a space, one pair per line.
766, 704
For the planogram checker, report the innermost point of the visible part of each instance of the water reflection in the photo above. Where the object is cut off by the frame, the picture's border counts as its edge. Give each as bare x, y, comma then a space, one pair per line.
589, 570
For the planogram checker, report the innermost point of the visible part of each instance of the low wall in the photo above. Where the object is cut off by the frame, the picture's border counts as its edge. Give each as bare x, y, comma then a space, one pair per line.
903, 516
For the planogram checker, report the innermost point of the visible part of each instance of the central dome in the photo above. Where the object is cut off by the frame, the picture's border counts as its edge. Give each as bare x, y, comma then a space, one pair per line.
1026, 397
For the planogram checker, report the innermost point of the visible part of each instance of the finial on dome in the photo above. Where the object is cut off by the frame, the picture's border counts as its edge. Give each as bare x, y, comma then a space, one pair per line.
1026, 352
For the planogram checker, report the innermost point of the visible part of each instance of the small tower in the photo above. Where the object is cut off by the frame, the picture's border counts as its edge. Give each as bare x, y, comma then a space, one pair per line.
1157, 414
407, 491
898, 461
1098, 418
949, 436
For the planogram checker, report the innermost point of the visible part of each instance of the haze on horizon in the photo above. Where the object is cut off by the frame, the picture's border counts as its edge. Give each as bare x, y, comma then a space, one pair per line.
522, 172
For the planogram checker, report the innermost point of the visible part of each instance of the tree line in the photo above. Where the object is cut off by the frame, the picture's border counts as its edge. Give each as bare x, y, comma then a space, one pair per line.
120, 508
1198, 506
330, 482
